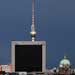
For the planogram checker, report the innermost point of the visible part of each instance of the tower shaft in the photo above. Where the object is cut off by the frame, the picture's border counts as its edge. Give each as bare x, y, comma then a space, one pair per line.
33, 32
33, 16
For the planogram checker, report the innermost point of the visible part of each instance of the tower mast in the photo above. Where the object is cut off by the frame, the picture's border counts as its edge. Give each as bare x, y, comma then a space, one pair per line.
33, 32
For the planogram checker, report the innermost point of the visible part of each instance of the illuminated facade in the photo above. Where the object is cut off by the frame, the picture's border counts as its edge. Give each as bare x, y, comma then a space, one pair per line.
6, 68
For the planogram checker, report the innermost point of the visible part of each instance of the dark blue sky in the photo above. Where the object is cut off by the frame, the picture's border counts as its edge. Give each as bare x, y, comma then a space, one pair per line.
54, 21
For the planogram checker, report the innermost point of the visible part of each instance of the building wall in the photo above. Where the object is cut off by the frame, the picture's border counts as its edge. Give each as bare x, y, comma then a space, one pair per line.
6, 68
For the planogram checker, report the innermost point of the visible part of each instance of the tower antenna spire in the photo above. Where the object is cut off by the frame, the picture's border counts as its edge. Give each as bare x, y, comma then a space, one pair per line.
33, 32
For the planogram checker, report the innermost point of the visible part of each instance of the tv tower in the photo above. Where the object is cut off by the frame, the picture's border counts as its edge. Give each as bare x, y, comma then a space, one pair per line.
33, 32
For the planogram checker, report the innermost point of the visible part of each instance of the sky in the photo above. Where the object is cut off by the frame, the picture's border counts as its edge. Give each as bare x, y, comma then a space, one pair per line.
54, 23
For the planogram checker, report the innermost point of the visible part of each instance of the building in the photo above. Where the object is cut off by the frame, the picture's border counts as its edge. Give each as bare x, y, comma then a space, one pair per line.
64, 68
6, 68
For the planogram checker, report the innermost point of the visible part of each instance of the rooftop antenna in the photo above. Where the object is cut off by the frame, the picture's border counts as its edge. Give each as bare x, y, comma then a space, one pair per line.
33, 32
